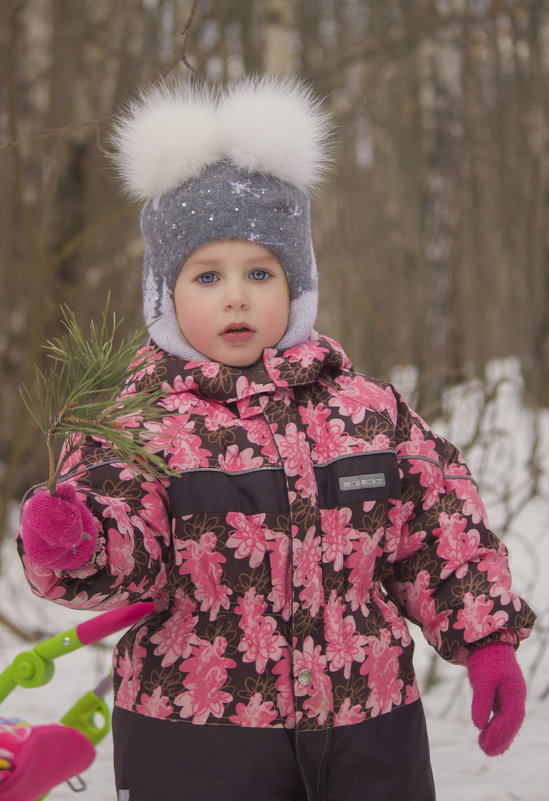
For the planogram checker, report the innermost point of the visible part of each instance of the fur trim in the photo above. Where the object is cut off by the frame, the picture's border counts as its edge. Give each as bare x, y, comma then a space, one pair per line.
277, 127
270, 125
166, 137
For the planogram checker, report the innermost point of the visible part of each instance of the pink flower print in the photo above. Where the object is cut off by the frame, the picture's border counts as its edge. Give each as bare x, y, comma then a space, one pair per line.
74, 459
285, 396
399, 544
127, 691
294, 451
285, 690
248, 535
337, 535
206, 673
475, 618
235, 461
427, 466
208, 369
466, 490
129, 669
173, 437
307, 570
144, 362
355, 408
215, 416
256, 714
312, 658
245, 388
420, 606
381, 666
81, 600
361, 563
203, 563
456, 546
380, 442
155, 705
257, 430
154, 512
279, 545
412, 692
398, 625
180, 398
306, 484
117, 509
358, 394
329, 436
272, 362
306, 354
150, 541
496, 565
320, 701
129, 420
252, 406
348, 715
344, 644
175, 638
43, 580
120, 554
259, 433
260, 640
345, 361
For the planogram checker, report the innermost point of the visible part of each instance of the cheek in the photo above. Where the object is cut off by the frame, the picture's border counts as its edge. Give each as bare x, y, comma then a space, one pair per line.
189, 313
278, 313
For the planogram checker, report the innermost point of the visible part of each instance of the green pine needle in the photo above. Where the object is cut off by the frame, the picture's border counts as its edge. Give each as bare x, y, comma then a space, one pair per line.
80, 395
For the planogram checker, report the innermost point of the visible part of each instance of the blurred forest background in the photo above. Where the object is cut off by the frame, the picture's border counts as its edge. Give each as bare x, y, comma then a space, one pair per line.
431, 234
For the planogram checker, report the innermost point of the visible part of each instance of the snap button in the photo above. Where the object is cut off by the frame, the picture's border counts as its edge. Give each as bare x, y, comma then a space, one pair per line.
305, 676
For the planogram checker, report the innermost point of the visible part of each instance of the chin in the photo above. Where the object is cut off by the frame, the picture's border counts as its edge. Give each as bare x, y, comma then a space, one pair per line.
244, 360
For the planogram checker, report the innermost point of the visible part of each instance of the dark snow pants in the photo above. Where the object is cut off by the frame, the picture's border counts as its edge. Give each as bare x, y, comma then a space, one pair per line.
383, 759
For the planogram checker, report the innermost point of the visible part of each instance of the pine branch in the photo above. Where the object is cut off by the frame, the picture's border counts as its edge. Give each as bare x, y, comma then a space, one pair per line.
81, 394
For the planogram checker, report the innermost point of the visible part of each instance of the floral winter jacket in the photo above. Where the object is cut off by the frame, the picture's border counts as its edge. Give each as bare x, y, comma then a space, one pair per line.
312, 512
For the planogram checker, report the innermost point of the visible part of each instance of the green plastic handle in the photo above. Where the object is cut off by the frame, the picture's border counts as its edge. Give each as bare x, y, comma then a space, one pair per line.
35, 668
83, 715
7, 683
59, 644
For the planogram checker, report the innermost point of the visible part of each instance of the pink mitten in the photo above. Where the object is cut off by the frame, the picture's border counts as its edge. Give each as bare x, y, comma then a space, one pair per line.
58, 532
498, 687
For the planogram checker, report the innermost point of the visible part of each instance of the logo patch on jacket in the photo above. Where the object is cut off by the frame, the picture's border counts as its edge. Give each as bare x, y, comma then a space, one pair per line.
369, 481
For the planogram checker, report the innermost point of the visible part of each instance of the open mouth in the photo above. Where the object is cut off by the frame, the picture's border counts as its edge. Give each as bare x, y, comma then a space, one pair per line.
237, 328
237, 332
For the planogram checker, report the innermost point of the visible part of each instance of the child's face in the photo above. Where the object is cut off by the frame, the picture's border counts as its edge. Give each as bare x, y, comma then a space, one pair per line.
232, 301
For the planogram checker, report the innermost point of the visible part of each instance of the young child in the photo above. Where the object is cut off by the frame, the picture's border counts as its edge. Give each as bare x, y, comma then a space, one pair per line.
311, 511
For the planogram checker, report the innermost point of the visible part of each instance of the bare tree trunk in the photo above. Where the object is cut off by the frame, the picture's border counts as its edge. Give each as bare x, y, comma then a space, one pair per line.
278, 45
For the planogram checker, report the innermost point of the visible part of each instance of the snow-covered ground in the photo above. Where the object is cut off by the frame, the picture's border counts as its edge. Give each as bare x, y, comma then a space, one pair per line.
514, 443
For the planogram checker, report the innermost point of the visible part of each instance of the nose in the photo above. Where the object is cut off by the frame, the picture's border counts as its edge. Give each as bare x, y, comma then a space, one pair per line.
236, 296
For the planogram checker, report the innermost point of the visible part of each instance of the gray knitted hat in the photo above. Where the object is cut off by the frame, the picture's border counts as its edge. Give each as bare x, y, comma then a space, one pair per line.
235, 165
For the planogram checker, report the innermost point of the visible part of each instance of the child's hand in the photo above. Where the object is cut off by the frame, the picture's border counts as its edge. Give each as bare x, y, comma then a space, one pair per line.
498, 687
58, 532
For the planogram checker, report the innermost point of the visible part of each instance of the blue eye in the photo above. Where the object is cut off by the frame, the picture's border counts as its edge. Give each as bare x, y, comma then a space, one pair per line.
207, 278
259, 275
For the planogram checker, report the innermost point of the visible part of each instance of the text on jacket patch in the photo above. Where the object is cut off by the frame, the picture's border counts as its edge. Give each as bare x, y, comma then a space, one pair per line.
362, 482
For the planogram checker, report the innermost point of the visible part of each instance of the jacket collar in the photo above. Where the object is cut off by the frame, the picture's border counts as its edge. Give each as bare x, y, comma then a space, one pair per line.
278, 369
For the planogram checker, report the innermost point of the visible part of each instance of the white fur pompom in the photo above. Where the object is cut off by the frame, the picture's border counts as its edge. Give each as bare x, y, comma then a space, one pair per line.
276, 126
166, 137
270, 125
